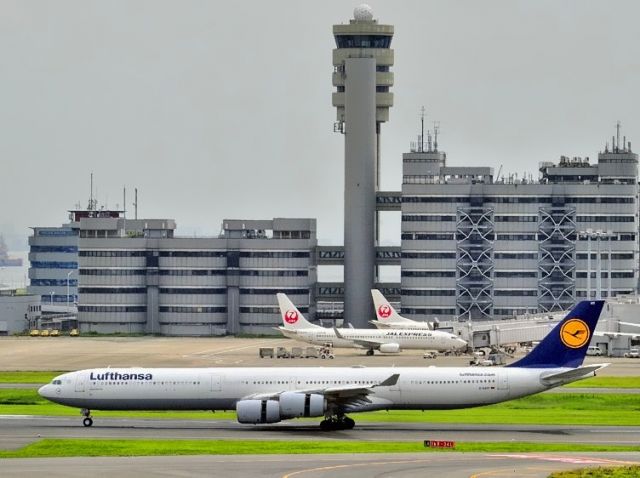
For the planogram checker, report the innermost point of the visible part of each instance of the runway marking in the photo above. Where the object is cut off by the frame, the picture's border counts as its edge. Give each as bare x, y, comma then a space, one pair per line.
574, 460
509, 471
353, 465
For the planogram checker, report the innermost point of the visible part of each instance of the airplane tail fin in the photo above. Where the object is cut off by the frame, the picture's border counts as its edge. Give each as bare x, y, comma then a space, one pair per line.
566, 345
292, 318
384, 310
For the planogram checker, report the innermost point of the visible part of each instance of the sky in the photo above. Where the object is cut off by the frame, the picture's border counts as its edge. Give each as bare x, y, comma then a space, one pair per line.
219, 110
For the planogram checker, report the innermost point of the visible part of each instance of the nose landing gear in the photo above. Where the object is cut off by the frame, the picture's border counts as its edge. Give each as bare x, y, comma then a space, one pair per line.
87, 421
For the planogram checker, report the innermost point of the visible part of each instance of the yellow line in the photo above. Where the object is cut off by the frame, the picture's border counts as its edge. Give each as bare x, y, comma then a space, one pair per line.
353, 465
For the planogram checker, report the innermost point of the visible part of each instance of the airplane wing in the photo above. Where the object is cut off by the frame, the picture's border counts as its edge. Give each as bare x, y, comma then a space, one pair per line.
572, 375
339, 395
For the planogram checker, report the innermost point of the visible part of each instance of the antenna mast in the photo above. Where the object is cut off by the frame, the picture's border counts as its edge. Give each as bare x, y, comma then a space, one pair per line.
436, 130
422, 131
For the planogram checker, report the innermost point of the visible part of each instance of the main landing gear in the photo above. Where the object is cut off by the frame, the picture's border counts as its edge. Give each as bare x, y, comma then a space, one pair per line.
87, 421
370, 352
339, 422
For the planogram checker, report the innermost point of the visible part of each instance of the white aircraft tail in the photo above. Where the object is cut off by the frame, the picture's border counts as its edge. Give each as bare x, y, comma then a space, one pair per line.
384, 310
292, 318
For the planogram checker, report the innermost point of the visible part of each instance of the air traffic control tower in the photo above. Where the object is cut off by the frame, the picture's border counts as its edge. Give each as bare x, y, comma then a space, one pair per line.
361, 61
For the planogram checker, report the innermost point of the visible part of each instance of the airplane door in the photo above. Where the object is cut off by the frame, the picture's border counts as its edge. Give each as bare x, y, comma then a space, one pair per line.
215, 383
503, 380
80, 379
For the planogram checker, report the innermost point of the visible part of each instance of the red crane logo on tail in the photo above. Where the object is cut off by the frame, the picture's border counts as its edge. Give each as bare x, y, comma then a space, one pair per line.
291, 316
384, 311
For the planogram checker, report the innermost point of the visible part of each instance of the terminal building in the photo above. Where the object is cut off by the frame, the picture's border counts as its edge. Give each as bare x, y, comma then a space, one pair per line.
479, 246
136, 276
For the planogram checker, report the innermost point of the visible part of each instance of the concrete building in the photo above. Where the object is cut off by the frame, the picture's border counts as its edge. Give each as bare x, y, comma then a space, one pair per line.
475, 245
362, 79
53, 257
18, 311
136, 276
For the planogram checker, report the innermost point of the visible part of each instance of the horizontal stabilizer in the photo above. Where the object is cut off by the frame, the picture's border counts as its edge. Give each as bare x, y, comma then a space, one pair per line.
569, 376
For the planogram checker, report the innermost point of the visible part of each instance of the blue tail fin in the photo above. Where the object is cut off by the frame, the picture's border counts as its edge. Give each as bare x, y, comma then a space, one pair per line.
566, 345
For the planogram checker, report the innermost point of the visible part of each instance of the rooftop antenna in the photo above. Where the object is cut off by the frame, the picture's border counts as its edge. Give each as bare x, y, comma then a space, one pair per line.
436, 130
429, 141
135, 204
422, 130
618, 135
91, 194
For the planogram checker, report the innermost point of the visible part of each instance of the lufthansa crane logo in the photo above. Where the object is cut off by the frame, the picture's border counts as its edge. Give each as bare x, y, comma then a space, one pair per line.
384, 311
575, 333
291, 316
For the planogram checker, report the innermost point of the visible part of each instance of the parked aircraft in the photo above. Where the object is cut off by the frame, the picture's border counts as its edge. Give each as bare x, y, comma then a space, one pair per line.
273, 394
297, 327
387, 317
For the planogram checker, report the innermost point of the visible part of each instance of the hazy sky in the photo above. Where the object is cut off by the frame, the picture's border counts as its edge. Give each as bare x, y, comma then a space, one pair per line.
223, 109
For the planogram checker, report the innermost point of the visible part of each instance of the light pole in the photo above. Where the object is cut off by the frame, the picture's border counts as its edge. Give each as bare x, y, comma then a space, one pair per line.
68, 274
51, 297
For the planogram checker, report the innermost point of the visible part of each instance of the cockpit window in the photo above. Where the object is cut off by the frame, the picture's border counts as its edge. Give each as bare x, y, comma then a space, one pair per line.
57, 382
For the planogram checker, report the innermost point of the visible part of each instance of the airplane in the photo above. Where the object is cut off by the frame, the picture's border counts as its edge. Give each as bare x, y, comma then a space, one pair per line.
295, 326
272, 394
389, 318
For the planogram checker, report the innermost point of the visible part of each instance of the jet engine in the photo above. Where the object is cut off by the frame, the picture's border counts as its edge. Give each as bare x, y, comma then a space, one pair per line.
258, 411
290, 405
294, 405
390, 348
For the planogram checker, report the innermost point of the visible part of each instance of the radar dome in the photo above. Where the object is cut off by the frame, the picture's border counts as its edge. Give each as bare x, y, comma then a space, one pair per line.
363, 13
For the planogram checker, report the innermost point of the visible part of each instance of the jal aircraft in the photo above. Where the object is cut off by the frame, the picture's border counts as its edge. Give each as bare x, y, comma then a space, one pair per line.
273, 394
392, 341
387, 317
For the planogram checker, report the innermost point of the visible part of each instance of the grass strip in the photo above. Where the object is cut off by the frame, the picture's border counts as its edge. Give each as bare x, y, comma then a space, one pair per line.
545, 409
606, 382
28, 377
601, 472
54, 447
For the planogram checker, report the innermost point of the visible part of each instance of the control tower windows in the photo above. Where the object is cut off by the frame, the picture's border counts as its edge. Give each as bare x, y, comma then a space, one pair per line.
363, 41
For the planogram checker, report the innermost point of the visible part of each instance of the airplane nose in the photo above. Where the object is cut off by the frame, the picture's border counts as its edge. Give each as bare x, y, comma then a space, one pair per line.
44, 391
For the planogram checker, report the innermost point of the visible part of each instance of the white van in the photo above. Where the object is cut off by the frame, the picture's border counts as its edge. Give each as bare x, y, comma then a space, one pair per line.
594, 350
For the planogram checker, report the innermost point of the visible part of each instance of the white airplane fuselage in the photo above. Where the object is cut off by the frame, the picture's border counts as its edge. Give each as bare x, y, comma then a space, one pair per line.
221, 388
406, 339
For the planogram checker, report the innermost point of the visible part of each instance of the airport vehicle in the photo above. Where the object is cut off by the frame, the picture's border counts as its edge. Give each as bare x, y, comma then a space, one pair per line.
273, 394
295, 326
632, 353
594, 350
387, 317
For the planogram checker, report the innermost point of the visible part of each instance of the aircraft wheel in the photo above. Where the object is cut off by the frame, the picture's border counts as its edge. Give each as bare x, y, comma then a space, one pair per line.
370, 352
348, 423
326, 425
87, 422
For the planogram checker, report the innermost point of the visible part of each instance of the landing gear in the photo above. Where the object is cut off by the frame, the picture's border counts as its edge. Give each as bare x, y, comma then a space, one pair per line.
337, 423
370, 352
87, 421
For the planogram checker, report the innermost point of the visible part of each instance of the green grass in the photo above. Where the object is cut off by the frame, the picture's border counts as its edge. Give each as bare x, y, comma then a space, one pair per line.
28, 377
558, 409
608, 472
607, 382
51, 447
